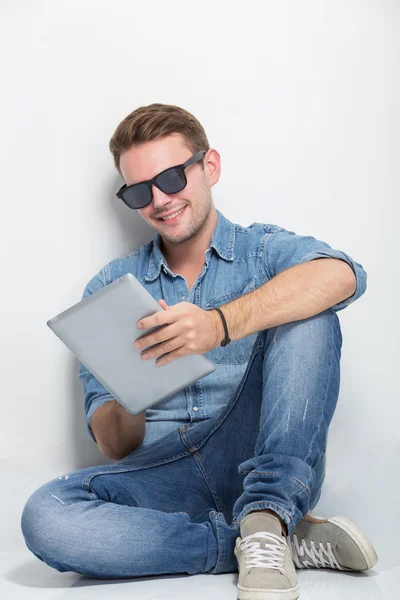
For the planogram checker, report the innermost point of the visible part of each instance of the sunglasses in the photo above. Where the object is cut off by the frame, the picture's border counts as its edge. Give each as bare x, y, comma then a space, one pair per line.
170, 181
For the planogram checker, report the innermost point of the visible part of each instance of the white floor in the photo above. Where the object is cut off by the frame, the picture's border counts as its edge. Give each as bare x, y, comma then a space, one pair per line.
22, 575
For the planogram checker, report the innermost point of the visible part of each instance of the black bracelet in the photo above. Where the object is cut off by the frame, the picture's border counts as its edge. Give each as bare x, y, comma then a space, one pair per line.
227, 339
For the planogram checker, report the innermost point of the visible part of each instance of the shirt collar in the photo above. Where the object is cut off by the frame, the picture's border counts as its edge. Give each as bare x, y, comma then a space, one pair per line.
222, 240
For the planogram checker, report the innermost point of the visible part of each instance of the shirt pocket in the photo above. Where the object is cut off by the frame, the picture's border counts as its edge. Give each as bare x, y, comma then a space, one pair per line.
238, 351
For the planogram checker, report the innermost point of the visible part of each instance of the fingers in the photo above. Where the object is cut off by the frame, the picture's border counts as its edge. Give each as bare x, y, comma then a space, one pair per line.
163, 303
158, 318
160, 341
169, 347
171, 356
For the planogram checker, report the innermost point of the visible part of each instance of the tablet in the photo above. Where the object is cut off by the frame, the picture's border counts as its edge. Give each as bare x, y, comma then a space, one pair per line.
101, 330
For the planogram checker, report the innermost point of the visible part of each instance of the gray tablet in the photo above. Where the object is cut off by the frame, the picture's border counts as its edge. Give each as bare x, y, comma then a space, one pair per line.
101, 329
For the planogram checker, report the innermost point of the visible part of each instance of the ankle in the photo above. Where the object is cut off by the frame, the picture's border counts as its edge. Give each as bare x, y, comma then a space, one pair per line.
271, 512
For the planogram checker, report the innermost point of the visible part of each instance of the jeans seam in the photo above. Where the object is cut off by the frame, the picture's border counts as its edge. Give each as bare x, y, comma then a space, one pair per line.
199, 461
86, 481
225, 414
219, 543
325, 393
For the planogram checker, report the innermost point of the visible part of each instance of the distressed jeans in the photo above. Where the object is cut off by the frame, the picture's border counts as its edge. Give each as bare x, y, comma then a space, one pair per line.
175, 506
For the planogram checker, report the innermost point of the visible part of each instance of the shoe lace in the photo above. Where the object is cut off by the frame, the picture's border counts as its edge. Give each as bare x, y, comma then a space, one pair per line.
271, 557
317, 556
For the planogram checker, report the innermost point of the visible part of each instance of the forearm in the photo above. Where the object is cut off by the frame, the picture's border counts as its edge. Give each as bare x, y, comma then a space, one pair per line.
116, 431
294, 294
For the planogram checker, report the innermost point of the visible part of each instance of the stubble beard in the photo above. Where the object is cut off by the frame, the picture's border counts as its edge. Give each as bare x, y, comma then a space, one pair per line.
195, 224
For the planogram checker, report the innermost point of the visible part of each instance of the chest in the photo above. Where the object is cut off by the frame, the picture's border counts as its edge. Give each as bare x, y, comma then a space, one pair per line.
190, 279
214, 285
190, 275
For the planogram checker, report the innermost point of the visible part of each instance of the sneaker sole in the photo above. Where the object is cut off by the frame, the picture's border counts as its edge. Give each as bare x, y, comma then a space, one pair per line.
367, 549
257, 594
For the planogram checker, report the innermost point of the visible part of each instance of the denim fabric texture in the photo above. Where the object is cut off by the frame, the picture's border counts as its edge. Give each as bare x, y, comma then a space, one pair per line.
238, 260
258, 440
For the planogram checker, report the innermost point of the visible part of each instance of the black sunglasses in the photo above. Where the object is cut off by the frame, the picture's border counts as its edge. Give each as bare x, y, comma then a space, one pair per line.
170, 181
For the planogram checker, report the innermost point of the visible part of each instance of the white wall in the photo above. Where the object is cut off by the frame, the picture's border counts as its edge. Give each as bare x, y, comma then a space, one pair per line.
301, 100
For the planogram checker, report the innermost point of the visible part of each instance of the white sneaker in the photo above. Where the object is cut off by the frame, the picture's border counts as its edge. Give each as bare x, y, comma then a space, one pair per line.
266, 568
334, 543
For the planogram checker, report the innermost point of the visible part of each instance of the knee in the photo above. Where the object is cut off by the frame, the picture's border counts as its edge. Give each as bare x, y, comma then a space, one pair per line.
38, 521
316, 332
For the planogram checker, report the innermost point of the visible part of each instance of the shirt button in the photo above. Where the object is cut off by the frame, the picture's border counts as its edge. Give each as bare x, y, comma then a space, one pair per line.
195, 408
182, 297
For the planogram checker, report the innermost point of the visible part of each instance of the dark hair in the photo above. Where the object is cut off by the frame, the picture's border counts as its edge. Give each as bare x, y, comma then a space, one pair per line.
156, 121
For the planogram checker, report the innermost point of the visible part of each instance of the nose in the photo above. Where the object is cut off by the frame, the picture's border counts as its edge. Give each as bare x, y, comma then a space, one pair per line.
160, 199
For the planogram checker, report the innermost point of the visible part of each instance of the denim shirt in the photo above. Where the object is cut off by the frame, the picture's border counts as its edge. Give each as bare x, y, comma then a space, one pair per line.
238, 260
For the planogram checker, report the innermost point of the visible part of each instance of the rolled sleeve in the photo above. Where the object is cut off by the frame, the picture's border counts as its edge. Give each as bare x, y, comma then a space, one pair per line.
284, 249
95, 394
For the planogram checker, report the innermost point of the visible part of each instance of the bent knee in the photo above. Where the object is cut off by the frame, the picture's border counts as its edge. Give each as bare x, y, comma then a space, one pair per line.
324, 325
41, 520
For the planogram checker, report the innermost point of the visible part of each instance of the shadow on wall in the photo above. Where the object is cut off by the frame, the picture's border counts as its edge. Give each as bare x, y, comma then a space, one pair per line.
134, 232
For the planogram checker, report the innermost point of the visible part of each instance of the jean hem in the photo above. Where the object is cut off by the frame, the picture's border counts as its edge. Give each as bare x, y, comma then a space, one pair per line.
285, 516
225, 563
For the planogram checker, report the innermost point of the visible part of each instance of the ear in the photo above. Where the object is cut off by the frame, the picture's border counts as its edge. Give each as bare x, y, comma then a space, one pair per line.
213, 166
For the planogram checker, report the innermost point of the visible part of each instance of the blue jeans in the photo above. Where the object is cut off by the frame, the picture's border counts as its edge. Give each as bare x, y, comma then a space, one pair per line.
175, 506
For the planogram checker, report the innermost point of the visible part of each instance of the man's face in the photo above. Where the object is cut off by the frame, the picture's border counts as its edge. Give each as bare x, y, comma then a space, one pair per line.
148, 159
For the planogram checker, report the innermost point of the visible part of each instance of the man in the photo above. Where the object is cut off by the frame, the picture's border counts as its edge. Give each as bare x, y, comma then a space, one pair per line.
223, 474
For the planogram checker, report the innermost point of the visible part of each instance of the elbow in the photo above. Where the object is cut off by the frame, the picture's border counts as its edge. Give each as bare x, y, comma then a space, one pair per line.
352, 283
111, 454
349, 280
120, 452
107, 450
349, 289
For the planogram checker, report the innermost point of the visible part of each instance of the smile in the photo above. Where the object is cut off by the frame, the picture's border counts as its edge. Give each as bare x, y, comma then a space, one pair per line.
174, 217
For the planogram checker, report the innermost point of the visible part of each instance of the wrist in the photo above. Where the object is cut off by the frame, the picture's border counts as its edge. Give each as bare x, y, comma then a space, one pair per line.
218, 327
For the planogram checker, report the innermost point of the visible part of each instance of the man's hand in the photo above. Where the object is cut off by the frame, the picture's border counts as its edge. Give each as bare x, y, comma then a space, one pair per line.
187, 329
